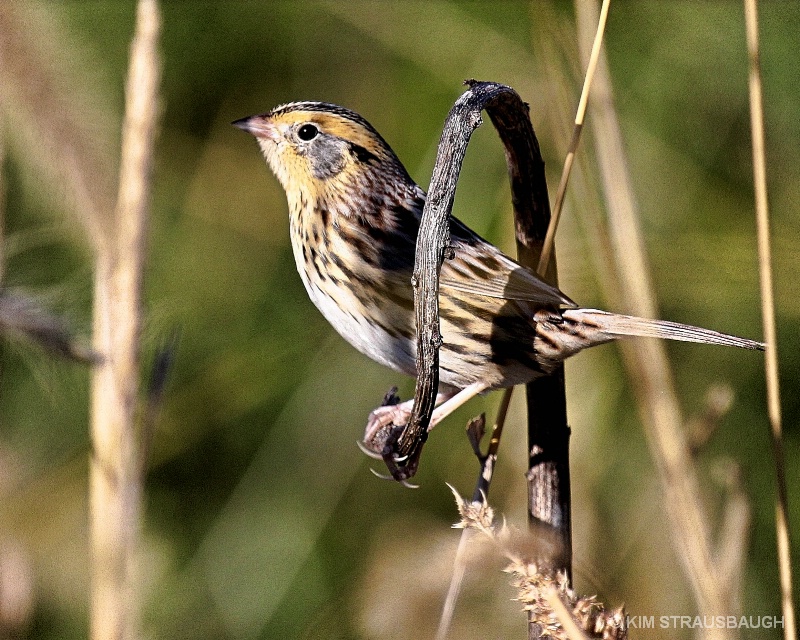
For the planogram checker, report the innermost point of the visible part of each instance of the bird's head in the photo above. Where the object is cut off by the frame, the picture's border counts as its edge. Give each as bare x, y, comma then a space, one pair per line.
316, 148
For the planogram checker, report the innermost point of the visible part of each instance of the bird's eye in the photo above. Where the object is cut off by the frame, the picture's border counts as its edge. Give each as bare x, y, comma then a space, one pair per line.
307, 132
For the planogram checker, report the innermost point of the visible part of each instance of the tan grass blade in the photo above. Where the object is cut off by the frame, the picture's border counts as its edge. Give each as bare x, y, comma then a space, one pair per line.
459, 563
549, 241
115, 482
571, 629
768, 315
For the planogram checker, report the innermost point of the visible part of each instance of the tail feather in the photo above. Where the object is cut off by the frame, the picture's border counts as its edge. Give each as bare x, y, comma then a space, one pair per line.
614, 325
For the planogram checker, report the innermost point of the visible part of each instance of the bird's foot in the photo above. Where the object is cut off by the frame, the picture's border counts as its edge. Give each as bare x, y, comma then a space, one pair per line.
382, 421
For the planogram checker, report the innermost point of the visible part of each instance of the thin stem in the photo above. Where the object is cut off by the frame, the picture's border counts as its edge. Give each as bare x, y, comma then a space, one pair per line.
480, 495
558, 205
489, 460
115, 483
768, 314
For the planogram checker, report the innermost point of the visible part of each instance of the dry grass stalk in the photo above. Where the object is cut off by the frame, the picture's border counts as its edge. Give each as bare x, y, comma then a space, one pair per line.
481, 492
649, 369
115, 476
734, 534
571, 629
577, 617
549, 241
768, 314
456, 582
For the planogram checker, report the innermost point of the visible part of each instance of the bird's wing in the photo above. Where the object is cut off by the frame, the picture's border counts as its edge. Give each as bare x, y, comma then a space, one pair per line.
480, 268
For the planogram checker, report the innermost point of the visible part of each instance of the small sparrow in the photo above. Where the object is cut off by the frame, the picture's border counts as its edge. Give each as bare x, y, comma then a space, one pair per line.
354, 215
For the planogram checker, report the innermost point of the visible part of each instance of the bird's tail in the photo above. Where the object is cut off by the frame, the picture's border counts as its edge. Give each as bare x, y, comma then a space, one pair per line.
614, 326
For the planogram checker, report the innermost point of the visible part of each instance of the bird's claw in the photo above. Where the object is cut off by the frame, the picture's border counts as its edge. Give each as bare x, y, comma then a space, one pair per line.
401, 467
365, 449
382, 476
382, 444
386, 476
369, 452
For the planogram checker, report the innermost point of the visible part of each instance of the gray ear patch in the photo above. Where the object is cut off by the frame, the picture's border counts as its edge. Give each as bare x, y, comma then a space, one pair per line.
328, 156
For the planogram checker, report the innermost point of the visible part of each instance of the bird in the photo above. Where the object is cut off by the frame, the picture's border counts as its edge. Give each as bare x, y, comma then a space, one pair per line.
354, 216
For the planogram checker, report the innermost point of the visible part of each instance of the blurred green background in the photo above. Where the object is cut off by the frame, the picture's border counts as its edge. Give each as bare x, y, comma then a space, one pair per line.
262, 519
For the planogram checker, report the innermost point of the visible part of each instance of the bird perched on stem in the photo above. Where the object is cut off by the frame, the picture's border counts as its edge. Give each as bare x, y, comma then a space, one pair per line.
354, 217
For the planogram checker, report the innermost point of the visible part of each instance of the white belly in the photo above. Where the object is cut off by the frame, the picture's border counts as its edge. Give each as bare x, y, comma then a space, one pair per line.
369, 338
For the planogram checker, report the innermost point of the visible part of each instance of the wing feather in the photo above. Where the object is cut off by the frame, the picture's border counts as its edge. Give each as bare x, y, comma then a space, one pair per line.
482, 269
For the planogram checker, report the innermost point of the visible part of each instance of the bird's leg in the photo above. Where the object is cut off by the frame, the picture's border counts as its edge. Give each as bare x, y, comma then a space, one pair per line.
453, 402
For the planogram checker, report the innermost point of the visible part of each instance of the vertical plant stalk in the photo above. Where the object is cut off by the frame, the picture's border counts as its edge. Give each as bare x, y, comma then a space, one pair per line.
558, 205
549, 483
548, 476
768, 315
479, 495
549, 486
115, 475
531, 215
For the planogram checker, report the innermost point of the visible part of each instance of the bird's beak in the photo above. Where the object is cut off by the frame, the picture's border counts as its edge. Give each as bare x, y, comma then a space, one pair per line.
258, 126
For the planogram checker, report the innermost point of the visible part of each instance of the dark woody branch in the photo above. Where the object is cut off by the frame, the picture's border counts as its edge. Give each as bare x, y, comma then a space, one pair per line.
405, 444
548, 432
